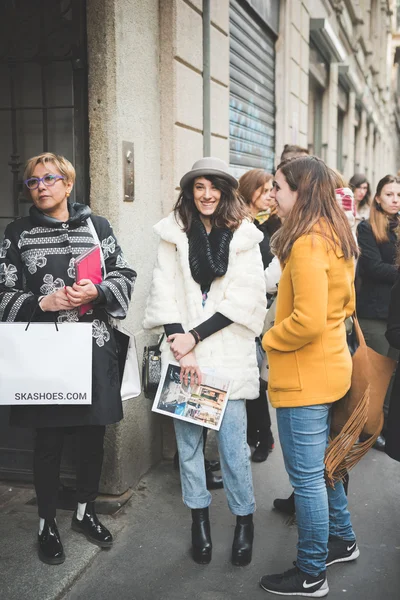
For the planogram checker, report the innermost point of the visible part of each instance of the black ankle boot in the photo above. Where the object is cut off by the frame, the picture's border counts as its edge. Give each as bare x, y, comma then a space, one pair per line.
51, 550
91, 527
286, 505
242, 547
201, 536
214, 482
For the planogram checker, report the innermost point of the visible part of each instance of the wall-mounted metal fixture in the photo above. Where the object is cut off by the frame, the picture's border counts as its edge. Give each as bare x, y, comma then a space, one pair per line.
129, 171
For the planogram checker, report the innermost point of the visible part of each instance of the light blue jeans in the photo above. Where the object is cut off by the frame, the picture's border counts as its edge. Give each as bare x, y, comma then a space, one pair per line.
235, 461
320, 511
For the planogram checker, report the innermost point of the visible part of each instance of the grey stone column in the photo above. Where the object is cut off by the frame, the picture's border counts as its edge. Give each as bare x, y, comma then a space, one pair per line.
124, 104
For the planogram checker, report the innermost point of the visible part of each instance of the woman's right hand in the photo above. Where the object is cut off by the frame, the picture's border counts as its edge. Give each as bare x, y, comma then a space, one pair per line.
190, 367
55, 302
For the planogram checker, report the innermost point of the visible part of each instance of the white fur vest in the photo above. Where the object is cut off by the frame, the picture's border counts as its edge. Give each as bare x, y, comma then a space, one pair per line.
239, 295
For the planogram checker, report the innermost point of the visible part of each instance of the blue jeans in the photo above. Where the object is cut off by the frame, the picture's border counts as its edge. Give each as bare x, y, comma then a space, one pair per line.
235, 461
320, 511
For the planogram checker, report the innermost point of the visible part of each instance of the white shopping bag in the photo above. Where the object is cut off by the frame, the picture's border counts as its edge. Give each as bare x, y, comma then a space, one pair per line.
45, 364
130, 385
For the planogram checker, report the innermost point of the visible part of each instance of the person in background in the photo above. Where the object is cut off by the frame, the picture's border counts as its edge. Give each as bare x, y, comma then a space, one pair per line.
392, 435
208, 293
37, 280
293, 151
273, 271
362, 196
310, 364
255, 188
377, 271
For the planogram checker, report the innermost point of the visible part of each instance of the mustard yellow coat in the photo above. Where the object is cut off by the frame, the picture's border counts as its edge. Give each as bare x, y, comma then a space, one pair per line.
309, 361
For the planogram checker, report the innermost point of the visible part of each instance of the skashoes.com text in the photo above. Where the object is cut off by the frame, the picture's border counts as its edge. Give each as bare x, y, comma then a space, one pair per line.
50, 396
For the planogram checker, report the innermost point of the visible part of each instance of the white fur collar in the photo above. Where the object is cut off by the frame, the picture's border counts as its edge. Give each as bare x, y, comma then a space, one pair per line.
244, 238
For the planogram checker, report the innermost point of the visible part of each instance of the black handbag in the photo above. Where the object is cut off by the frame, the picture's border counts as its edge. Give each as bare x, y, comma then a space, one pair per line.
151, 369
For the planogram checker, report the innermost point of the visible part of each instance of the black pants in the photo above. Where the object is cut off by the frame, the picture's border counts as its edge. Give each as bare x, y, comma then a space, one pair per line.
258, 417
47, 459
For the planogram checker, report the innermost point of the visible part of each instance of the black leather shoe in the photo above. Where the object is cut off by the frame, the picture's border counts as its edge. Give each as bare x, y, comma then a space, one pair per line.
286, 505
214, 482
91, 527
261, 452
380, 443
51, 550
215, 465
201, 536
242, 547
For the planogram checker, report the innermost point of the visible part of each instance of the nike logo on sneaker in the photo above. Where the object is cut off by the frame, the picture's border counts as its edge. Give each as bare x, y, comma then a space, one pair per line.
309, 585
350, 548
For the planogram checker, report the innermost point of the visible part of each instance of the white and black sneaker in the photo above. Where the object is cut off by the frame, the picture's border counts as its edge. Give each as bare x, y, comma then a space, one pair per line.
296, 583
340, 550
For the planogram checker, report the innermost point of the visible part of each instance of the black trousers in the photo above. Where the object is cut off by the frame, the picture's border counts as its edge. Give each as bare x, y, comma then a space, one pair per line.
48, 449
258, 417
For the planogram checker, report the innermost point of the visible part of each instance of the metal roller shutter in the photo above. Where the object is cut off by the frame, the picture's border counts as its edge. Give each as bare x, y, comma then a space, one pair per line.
252, 92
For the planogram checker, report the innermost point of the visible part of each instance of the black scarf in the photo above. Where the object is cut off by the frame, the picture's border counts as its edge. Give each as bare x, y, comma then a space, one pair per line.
208, 254
78, 214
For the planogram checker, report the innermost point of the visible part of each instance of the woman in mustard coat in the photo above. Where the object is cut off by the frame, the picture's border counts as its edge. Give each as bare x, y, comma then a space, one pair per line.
310, 364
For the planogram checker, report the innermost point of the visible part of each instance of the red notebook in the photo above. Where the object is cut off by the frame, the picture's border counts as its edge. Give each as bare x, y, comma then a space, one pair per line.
88, 266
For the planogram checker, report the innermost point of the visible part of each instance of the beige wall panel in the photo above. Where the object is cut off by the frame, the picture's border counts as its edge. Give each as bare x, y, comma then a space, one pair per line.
305, 54
220, 14
189, 35
294, 78
303, 125
295, 44
196, 3
305, 19
219, 109
189, 97
219, 56
188, 149
220, 148
304, 84
295, 12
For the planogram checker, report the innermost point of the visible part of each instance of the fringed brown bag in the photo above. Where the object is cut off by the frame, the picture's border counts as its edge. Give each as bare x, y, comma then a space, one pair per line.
357, 419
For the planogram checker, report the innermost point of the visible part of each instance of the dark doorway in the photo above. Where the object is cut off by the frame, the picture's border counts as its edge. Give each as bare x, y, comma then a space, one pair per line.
43, 107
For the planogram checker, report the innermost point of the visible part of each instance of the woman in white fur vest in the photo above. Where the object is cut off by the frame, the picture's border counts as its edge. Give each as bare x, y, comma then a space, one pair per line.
208, 293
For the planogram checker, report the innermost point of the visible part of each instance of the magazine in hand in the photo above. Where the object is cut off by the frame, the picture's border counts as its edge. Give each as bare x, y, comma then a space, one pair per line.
203, 404
88, 266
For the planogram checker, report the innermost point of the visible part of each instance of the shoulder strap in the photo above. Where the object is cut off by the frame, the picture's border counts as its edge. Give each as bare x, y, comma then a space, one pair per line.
96, 239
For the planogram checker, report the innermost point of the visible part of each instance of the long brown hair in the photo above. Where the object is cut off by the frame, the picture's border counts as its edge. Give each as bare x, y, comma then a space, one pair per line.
230, 211
377, 217
316, 204
251, 181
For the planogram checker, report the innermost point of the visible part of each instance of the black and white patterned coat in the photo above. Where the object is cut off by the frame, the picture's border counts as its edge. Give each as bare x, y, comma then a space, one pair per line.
37, 257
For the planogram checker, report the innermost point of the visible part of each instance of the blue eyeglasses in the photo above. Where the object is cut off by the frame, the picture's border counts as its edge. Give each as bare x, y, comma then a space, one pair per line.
48, 180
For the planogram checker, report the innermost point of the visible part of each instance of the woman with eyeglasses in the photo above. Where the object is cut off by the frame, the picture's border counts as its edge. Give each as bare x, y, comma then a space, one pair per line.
37, 281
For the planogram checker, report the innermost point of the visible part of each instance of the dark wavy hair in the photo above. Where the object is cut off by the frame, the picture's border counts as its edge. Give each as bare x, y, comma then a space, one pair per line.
229, 214
355, 182
316, 210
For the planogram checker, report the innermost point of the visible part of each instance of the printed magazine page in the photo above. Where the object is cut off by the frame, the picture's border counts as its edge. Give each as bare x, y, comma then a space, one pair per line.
202, 404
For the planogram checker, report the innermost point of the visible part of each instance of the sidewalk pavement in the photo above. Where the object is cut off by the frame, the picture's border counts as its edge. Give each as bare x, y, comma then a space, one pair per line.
150, 559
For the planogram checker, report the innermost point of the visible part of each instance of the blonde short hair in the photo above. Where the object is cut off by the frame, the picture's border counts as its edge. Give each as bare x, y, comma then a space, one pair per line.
60, 162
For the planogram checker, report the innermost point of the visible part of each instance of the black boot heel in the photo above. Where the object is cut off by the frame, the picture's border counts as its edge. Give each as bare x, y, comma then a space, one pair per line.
201, 536
242, 547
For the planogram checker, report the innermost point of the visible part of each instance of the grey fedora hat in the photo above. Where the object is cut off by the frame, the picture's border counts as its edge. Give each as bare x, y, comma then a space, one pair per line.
209, 166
